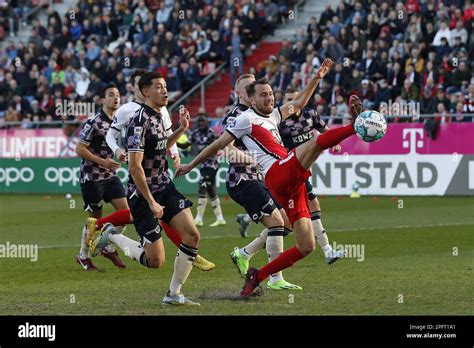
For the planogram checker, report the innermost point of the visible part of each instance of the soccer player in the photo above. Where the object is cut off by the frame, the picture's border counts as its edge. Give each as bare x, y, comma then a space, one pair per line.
151, 193
294, 131
285, 173
245, 186
98, 178
121, 120
203, 136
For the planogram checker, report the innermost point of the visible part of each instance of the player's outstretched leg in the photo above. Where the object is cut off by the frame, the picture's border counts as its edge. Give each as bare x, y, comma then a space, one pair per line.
201, 207
84, 257
200, 262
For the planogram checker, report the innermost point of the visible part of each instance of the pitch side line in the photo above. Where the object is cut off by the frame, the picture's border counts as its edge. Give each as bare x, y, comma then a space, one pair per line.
335, 230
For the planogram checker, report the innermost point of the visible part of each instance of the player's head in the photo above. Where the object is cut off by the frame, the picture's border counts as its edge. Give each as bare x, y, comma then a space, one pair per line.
153, 87
110, 97
260, 95
290, 94
242, 82
202, 122
134, 79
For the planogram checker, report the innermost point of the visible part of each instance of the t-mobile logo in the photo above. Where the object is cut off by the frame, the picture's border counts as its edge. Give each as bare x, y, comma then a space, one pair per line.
411, 142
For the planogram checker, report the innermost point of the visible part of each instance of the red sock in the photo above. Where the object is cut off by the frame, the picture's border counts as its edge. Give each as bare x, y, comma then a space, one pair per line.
172, 234
285, 260
119, 218
332, 137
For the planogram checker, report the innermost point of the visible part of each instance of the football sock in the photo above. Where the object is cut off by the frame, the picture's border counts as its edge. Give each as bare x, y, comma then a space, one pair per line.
84, 252
131, 248
183, 265
119, 218
172, 234
216, 206
247, 219
110, 248
285, 260
254, 246
201, 208
274, 248
334, 136
320, 232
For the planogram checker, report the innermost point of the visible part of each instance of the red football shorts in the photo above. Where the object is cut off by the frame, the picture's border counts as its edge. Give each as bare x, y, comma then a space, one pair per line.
286, 181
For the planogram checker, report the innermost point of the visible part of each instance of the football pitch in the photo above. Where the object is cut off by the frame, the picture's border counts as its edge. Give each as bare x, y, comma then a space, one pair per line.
409, 256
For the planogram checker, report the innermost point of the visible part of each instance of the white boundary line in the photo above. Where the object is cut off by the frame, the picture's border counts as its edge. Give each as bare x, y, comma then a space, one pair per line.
401, 227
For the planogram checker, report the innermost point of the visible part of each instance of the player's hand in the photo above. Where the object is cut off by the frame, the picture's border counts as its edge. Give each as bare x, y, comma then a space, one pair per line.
184, 117
121, 155
183, 170
110, 164
324, 68
156, 209
336, 148
355, 105
176, 160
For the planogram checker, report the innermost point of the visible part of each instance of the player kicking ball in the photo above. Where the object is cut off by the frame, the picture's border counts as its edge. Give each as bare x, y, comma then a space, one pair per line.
245, 186
152, 195
285, 173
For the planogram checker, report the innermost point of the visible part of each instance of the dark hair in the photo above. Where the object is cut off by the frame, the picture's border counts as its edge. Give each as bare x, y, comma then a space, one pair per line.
137, 73
108, 86
146, 79
289, 90
250, 89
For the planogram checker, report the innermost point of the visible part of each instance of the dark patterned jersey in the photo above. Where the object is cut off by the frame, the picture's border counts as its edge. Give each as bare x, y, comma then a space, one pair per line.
146, 133
239, 172
296, 130
201, 139
93, 135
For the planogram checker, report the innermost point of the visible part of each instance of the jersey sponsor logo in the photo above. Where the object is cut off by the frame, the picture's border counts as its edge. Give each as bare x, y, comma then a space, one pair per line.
137, 135
302, 137
85, 131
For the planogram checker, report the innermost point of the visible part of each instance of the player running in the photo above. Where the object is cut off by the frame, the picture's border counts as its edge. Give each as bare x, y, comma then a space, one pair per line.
245, 186
121, 120
151, 193
203, 136
98, 178
285, 173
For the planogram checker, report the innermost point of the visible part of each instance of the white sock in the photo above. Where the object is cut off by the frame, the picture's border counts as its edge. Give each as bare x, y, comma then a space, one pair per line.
216, 205
254, 246
84, 252
247, 219
274, 249
131, 248
201, 208
320, 233
183, 264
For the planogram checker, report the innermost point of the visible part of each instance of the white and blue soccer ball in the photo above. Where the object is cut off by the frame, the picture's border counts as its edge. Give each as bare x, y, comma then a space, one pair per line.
370, 126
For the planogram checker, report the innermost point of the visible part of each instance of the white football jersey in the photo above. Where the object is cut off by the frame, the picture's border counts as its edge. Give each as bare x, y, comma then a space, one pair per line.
260, 135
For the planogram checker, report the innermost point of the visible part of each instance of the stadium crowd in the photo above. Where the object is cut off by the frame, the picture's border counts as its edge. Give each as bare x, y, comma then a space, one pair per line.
418, 52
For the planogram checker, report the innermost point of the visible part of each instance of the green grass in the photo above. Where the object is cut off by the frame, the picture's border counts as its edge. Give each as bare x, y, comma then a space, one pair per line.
408, 251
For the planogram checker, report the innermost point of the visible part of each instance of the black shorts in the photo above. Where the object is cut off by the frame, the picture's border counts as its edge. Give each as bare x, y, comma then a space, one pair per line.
147, 226
254, 197
310, 189
94, 192
208, 176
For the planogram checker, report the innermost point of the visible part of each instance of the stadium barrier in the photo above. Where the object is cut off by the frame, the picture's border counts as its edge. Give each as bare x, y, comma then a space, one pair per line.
405, 162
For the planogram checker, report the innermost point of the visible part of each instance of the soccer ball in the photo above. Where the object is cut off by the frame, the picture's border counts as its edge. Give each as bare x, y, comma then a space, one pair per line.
370, 126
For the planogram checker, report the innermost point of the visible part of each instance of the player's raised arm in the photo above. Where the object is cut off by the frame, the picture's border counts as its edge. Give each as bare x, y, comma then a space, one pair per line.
303, 97
184, 124
225, 139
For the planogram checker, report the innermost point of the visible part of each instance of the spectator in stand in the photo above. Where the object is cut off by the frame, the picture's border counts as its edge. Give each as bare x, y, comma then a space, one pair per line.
192, 75
282, 79
235, 48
